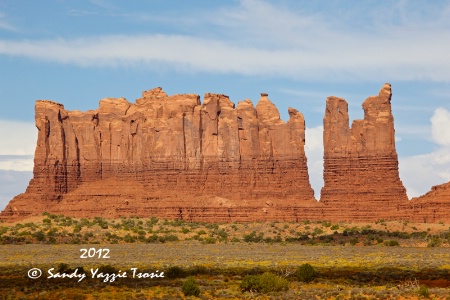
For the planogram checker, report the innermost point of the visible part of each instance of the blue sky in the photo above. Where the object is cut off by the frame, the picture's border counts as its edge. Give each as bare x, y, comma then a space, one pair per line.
299, 52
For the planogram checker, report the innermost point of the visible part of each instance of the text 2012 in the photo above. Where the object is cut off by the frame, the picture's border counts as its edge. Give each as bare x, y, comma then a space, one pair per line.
94, 253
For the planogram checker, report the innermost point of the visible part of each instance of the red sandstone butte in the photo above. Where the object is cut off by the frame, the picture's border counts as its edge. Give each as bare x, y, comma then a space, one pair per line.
173, 157
169, 156
361, 179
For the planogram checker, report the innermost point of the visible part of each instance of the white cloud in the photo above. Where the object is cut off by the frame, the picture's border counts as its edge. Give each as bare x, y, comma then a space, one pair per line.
314, 155
259, 38
5, 25
441, 126
17, 138
12, 183
16, 162
413, 131
104, 4
197, 54
17, 145
420, 172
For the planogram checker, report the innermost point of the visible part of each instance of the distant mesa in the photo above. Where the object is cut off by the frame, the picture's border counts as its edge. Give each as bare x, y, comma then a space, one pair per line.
175, 157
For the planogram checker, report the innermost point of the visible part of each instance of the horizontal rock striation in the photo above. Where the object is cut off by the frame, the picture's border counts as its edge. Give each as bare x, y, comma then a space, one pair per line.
174, 157
361, 179
433, 207
166, 151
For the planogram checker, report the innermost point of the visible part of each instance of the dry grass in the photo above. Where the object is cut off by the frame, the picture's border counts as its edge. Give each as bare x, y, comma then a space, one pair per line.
345, 272
352, 264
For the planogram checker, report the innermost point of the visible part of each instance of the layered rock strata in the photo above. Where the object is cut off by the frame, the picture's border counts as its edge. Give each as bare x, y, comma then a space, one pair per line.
361, 179
433, 207
173, 157
168, 155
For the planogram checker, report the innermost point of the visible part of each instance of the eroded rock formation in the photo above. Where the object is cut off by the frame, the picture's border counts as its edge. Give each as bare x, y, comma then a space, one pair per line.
168, 155
173, 157
433, 207
361, 179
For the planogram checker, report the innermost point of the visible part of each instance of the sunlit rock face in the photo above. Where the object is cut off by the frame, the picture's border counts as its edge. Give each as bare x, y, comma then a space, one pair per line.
175, 157
169, 156
433, 207
360, 162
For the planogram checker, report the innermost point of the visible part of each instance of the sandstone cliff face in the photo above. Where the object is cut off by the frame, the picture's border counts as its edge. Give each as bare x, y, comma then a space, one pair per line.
360, 162
433, 207
174, 157
167, 151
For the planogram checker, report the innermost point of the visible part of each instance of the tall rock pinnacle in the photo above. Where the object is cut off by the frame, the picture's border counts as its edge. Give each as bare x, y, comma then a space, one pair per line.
360, 162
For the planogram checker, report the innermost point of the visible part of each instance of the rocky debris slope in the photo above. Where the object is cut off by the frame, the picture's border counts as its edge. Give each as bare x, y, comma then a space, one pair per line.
361, 178
171, 152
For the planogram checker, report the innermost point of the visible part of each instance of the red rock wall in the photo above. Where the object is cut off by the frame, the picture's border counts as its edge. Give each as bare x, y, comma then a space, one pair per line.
173, 157
172, 148
361, 179
433, 207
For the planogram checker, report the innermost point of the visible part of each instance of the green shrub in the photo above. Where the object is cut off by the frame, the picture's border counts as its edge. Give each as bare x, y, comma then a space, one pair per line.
107, 269
196, 270
39, 235
391, 243
250, 283
423, 292
326, 224
63, 267
190, 287
306, 273
434, 242
222, 234
129, 238
210, 240
265, 283
353, 241
152, 239
254, 271
270, 282
318, 230
80, 270
252, 237
3, 230
176, 272
170, 238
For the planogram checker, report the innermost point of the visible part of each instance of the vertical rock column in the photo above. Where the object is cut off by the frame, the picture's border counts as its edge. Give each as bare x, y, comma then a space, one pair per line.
360, 163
